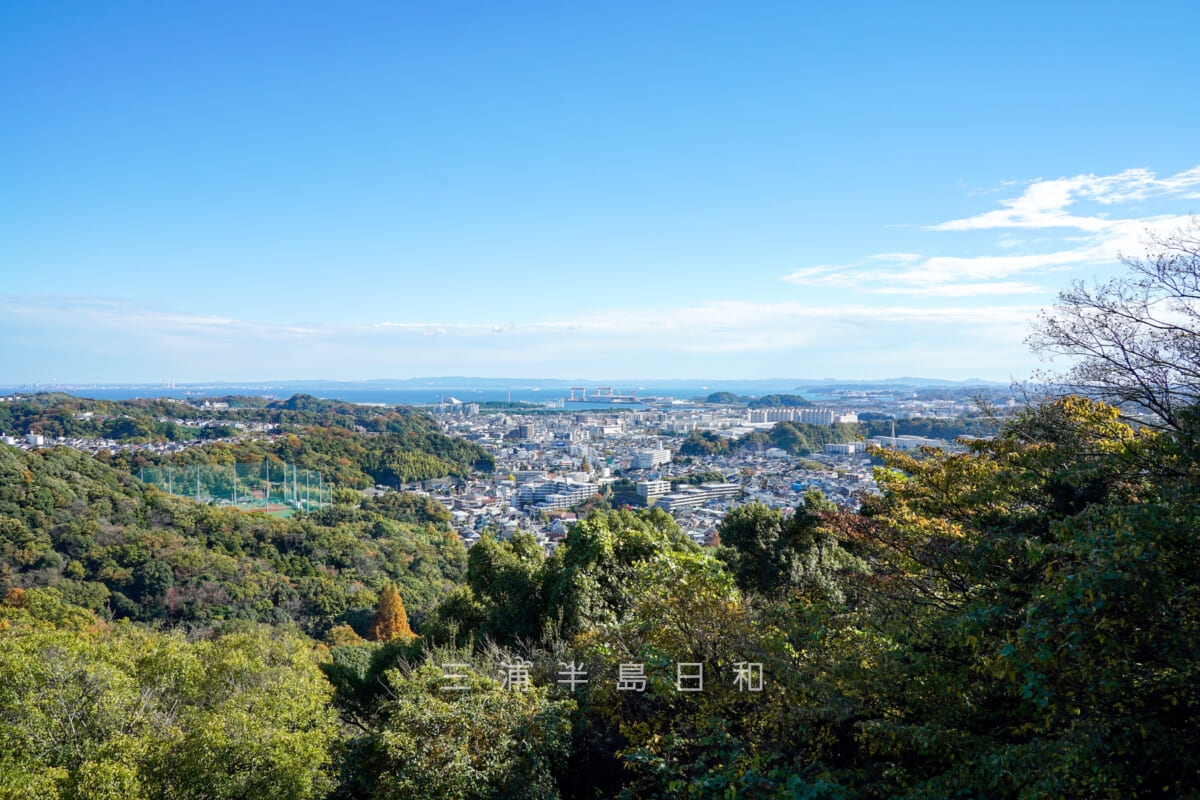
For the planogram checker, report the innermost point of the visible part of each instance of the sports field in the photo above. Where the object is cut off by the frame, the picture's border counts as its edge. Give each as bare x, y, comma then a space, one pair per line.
271, 509
273, 488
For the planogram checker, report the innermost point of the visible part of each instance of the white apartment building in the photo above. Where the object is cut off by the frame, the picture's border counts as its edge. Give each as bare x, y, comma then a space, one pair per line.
905, 442
653, 489
649, 459
696, 496
555, 494
811, 416
846, 449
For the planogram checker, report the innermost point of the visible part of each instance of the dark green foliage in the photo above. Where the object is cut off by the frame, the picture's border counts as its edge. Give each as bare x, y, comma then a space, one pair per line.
929, 427
780, 401
697, 478
1036, 606
343, 457
722, 398
106, 541
400, 444
704, 443
587, 580
514, 595
502, 599
798, 438
768, 551
801, 439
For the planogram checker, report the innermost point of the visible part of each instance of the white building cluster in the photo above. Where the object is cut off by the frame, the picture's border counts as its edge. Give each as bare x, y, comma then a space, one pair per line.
697, 496
556, 494
906, 442
810, 416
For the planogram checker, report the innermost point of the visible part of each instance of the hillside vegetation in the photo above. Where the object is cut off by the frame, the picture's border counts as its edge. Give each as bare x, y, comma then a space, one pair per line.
111, 544
350, 445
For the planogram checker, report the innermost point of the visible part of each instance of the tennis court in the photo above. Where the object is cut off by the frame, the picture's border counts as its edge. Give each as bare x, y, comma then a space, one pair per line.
273, 487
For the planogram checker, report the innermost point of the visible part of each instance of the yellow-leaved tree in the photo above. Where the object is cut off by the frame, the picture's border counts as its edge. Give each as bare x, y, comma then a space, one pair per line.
391, 620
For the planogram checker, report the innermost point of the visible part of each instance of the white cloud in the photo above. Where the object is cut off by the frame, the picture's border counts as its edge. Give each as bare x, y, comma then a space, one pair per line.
1046, 205
966, 289
717, 327
886, 308
831, 275
903, 258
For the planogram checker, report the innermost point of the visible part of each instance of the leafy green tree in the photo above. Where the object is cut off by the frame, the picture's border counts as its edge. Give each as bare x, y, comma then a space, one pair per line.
780, 401
502, 599
482, 743
704, 443
123, 712
722, 398
769, 551
587, 578
1028, 644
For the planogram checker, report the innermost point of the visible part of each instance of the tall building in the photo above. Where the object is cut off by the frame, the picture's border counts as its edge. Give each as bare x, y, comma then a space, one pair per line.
696, 496
652, 489
649, 459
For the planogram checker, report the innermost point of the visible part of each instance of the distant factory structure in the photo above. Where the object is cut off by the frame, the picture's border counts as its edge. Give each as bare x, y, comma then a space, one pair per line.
905, 442
605, 394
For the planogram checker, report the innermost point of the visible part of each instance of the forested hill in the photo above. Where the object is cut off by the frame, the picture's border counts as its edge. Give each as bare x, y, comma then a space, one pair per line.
802, 438
345, 458
351, 445
111, 544
59, 414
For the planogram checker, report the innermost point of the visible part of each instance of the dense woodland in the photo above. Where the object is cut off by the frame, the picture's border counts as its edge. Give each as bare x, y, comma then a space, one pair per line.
797, 438
108, 543
802, 438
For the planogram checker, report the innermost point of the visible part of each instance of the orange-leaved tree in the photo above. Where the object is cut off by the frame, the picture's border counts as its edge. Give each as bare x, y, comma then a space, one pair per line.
391, 620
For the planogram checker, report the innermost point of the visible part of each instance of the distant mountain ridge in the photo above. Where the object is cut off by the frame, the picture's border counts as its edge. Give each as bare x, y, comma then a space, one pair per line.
459, 382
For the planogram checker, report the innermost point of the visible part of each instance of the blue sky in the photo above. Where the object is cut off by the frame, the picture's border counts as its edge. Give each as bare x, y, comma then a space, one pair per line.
239, 191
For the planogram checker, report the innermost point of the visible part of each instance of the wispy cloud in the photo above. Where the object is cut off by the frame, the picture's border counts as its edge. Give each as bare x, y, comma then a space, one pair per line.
900, 258
719, 327
964, 289
899, 306
1044, 205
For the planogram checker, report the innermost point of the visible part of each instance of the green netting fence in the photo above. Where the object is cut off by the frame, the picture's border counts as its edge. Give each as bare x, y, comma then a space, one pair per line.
271, 486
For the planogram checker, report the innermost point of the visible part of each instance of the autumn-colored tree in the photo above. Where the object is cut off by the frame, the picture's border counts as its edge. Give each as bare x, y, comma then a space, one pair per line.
15, 597
391, 620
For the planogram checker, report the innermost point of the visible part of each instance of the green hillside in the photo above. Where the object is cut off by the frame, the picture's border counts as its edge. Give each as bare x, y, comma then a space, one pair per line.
108, 543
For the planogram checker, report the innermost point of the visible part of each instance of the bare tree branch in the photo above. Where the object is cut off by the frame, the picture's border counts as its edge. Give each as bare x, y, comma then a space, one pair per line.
1134, 341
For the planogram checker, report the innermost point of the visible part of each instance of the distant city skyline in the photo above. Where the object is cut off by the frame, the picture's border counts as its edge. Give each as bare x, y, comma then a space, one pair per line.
240, 192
